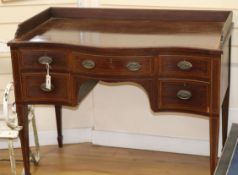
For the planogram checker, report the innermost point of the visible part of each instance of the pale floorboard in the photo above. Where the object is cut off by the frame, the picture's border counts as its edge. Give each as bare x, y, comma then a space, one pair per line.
88, 159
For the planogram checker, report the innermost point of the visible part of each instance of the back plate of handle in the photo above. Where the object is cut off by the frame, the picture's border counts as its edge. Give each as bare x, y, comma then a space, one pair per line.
184, 65
88, 64
184, 94
45, 60
133, 66
43, 88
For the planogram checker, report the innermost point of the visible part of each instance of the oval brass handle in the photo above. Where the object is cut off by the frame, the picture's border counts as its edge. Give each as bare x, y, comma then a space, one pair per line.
43, 88
133, 66
184, 94
45, 60
88, 64
185, 65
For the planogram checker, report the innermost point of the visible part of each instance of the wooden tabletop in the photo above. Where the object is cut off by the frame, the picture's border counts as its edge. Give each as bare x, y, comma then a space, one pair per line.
128, 34
123, 28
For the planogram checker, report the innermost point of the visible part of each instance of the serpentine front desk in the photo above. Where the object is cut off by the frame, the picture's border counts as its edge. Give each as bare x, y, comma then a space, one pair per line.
181, 59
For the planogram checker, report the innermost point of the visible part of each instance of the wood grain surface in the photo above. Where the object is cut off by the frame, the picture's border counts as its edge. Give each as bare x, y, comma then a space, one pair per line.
87, 159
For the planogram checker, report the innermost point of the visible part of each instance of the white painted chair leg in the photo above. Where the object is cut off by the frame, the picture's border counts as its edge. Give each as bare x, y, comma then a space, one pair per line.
23, 171
35, 157
12, 156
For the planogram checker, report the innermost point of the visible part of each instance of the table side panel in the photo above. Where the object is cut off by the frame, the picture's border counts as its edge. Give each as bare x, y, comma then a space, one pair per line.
225, 69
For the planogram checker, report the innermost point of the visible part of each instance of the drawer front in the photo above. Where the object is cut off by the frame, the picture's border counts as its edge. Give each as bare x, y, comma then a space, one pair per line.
30, 59
105, 65
184, 66
32, 86
184, 95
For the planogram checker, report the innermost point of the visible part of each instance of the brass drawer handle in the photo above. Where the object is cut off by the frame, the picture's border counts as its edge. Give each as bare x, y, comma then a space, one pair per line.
133, 66
184, 65
88, 64
45, 60
184, 94
43, 88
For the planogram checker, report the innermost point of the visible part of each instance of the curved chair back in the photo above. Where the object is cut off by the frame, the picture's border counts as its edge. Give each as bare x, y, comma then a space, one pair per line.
6, 100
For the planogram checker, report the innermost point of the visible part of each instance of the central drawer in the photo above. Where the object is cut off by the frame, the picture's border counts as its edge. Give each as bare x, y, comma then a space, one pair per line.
33, 91
184, 95
112, 65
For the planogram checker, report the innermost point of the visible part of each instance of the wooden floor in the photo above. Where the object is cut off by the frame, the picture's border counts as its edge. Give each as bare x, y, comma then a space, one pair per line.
87, 159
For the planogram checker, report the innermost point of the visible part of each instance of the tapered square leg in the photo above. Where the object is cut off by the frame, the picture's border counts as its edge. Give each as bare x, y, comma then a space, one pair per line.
225, 114
214, 139
58, 113
22, 112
